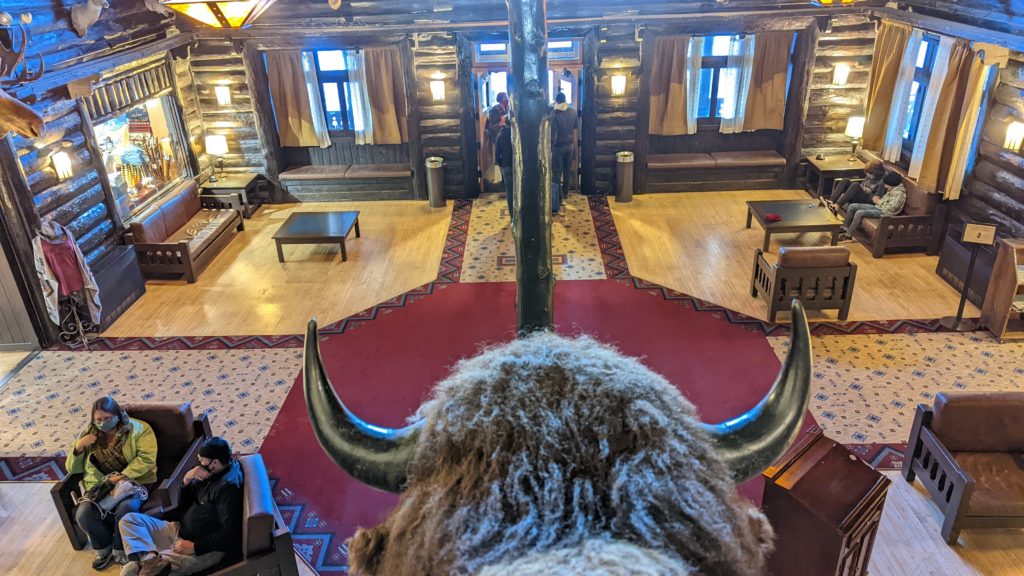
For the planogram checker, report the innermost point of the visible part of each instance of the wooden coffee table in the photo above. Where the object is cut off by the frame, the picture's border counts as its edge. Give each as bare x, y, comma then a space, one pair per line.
797, 216
317, 228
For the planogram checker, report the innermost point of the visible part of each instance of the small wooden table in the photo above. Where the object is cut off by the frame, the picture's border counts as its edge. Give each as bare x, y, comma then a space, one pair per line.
826, 171
246, 185
797, 216
317, 228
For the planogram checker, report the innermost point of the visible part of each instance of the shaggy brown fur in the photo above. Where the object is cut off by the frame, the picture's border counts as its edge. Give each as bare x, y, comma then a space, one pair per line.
546, 443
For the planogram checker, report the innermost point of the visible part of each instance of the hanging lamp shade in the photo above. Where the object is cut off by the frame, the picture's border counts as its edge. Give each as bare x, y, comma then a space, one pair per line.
221, 13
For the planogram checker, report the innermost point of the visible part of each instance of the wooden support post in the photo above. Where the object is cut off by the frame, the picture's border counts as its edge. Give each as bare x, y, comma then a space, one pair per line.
643, 113
464, 71
588, 132
259, 89
799, 97
419, 171
531, 138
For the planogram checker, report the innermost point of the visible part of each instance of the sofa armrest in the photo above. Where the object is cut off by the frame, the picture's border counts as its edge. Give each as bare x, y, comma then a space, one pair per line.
168, 494
221, 202
763, 276
65, 504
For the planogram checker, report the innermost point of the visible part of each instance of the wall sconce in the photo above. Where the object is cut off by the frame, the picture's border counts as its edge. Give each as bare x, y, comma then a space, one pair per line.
223, 94
618, 85
437, 87
841, 74
62, 165
855, 129
1014, 136
217, 145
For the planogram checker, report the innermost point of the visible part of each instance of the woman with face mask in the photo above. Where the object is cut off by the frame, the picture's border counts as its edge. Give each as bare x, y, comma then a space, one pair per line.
112, 447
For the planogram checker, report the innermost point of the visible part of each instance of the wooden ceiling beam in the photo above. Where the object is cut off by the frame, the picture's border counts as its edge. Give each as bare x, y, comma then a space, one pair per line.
951, 28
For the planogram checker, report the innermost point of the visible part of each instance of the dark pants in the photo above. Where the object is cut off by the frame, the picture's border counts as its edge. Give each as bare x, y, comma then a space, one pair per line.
508, 178
561, 166
103, 531
850, 193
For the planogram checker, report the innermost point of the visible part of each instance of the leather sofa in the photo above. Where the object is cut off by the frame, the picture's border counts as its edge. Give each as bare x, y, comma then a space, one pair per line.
182, 233
820, 277
918, 226
967, 450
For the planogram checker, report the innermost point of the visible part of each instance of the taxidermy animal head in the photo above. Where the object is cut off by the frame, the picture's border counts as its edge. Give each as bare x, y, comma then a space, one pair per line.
14, 114
553, 452
84, 15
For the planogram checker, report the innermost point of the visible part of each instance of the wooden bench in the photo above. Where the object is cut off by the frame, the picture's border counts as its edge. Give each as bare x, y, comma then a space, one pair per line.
329, 183
706, 171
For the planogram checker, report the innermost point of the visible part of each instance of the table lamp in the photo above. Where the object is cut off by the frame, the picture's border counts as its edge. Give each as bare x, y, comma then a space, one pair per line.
855, 129
217, 145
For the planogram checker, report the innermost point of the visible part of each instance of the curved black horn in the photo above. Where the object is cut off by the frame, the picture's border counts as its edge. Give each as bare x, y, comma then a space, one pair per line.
753, 441
373, 455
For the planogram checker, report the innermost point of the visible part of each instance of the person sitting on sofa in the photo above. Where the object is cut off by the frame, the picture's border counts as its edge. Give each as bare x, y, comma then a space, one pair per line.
113, 448
210, 526
889, 203
850, 192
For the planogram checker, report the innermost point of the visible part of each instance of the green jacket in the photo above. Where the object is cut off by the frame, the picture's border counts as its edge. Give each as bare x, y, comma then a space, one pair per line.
139, 450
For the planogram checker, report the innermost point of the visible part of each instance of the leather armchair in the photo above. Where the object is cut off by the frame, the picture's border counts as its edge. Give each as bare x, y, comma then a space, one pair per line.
179, 435
968, 451
820, 277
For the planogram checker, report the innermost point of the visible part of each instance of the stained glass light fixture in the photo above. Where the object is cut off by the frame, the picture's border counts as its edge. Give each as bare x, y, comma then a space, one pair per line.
221, 13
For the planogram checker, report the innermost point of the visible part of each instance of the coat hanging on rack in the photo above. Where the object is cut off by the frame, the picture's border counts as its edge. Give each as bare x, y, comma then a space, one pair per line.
62, 270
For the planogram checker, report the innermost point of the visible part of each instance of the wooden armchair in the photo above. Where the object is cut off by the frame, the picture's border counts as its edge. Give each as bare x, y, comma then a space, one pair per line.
179, 435
820, 277
967, 450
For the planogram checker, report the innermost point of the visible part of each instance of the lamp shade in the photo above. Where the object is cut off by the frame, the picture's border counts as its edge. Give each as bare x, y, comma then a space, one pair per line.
841, 74
855, 127
221, 13
216, 144
618, 84
62, 165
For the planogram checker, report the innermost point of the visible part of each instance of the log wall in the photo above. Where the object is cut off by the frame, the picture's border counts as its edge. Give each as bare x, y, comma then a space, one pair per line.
849, 40
618, 53
440, 122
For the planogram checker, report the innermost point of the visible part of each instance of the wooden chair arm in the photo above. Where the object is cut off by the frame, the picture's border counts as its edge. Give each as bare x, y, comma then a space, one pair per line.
168, 494
61, 494
221, 201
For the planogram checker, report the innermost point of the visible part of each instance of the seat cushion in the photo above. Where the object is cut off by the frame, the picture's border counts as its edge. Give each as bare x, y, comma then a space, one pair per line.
683, 161
378, 171
813, 257
979, 421
148, 227
163, 219
202, 229
315, 172
176, 214
258, 527
750, 159
172, 423
999, 482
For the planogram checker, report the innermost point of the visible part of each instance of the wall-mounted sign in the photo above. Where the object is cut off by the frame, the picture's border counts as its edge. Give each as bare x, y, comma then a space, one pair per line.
975, 233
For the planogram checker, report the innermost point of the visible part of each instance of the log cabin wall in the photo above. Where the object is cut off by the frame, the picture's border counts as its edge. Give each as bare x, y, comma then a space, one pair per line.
192, 116
850, 40
433, 54
618, 53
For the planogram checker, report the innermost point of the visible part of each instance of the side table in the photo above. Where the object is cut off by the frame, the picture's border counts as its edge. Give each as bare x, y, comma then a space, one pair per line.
245, 184
822, 173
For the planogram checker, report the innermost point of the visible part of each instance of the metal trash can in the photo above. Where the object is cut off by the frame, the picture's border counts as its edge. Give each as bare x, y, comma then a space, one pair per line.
435, 181
623, 176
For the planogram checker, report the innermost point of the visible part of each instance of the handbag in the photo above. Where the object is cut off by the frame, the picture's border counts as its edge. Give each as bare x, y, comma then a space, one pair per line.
106, 495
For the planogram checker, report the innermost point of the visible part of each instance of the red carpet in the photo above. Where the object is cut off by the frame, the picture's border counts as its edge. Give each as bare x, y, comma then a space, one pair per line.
385, 368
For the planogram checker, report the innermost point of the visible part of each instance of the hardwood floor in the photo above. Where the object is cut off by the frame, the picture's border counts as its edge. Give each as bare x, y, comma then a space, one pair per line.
908, 541
34, 542
697, 243
246, 291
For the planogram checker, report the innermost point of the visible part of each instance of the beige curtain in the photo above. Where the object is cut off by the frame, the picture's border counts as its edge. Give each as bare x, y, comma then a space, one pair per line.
890, 44
291, 98
953, 94
766, 98
385, 85
668, 87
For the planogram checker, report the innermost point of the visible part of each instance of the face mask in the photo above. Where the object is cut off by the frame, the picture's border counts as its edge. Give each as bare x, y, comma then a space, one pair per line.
106, 426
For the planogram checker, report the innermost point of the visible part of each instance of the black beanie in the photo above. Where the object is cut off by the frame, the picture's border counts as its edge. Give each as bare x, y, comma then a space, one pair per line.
893, 179
216, 448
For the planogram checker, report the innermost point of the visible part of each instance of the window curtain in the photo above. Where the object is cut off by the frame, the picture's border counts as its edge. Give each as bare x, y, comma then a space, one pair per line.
694, 58
944, 165
316, 105
893, 145
294, 106
740, 63
385, 88
890, 45
362, 123
931, 101
766, 97
670, 109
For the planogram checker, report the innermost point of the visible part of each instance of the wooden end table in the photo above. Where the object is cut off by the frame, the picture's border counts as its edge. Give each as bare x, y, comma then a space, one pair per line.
246, 185
797, 216
317, 228
825, 172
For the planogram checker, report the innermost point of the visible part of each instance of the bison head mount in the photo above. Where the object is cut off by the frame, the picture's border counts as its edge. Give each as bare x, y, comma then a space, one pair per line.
548, 443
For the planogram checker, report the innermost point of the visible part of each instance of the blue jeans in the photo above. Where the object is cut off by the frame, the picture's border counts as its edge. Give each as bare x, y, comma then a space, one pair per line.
855, 213
103, 531
508, 178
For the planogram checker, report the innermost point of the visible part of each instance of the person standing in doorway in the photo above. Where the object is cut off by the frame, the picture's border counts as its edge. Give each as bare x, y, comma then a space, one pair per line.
564, 124
503, 155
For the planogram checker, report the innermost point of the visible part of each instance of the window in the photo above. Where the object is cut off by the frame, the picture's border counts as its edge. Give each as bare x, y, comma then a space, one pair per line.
143, 152
335, 93
716, 92
558, 50
918, 92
